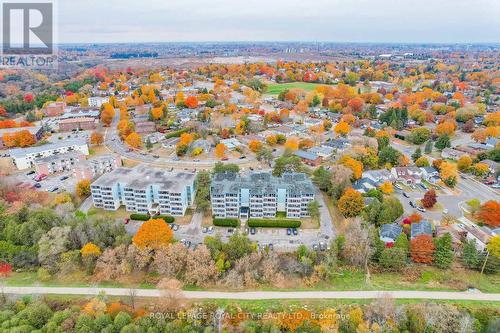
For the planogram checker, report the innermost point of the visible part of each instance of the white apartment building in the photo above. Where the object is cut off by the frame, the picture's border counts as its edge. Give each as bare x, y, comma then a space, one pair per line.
97, 102
24, 158
261, 195
145, 190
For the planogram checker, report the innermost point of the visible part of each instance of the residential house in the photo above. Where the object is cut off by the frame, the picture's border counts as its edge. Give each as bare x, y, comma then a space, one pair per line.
407, 175
309, 158
322, 151
390, 232
421, 228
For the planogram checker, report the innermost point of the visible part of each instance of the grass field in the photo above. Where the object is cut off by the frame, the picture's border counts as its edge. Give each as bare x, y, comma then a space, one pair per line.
276, 88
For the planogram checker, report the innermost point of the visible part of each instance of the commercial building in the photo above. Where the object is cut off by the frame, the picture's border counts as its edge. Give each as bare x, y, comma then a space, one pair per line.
73, 124
97, 166
145, 190
24, 158
261, 195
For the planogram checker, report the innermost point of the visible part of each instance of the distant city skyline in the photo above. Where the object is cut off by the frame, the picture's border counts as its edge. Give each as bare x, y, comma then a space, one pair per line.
377, 21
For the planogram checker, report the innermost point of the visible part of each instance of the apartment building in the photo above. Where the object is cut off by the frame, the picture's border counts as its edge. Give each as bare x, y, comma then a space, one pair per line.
24, 158
145, 190
97, 166
73, 124
261, 195
58, 163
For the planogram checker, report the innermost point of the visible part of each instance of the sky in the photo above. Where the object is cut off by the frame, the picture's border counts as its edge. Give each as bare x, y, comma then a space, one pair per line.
412, 21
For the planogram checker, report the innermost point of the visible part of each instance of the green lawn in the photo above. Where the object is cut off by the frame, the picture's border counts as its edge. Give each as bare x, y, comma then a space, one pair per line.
276, 88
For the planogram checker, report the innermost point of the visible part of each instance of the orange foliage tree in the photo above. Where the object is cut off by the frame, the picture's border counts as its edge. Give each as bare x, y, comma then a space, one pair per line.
386, 187
489, 213
191, 102
292, 143
186, 139
21, 138
107, 114
220, 150
422, 249
254, 145
342, 128
153, 234
96, 138
83, 188
355, 165
134, 140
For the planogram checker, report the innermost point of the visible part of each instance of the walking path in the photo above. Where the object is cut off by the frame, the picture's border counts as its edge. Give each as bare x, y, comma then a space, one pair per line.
259, 295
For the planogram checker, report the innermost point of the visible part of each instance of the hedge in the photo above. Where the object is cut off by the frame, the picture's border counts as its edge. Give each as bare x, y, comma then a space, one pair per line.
146, 217
226, 222
176, 134
273, 223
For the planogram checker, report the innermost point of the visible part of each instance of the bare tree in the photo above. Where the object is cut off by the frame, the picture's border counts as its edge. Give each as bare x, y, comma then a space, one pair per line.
358, 248
171, 294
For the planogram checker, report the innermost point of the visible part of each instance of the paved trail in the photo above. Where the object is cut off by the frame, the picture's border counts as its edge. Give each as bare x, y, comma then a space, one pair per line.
256, 295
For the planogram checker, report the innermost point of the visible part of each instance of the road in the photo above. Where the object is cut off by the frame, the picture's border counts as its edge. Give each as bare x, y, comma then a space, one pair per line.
113, 143
259, 295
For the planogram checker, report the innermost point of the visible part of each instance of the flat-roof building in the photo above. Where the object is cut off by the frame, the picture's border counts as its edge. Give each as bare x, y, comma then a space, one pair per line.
24, 158
261, 195
144, 189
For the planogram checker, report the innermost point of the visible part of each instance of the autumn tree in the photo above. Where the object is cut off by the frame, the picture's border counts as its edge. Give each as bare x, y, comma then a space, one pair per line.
449, 174
464, 163
292, 143
134, 140
22, 138
422, 162
153, 234
494, 246
422, 249
429, 199
355, 165
191, 102
480, 169
489, 213
351, 203
342, 128
255, 145
107, 114
386, 187
220, 150
96, 138
83, 188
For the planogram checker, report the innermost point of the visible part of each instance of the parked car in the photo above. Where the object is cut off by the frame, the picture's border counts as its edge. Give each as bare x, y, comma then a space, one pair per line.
398, 186
322, 246
37, 185
30, 173
295, 231
126, 221
252, 230
315, 247
406, 195
412, 204
230, 230
204, 230
271, 247
289, 231
175, 227
40, 177
63, 178
210, 230
421, 209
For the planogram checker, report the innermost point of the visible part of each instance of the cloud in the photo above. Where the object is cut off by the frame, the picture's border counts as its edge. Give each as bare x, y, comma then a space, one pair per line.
268, 20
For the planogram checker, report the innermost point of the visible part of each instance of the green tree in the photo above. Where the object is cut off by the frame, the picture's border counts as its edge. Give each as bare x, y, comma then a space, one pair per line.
428, 147
443, 142
322, 179
393, 258
417, 154
222, 168
443, 255
389, 155
470, 255
202, 199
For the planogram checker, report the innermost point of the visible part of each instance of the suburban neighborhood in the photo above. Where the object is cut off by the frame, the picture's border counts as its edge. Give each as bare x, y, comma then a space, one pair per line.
200, 187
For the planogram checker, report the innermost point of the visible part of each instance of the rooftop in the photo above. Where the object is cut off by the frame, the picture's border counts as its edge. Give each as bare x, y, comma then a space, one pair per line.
142, 176
21, 152
261, 183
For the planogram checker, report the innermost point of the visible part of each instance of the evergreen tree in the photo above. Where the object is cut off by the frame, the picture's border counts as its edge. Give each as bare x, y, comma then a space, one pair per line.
417, 154
443, 142
470, 255
443, 256
428, 147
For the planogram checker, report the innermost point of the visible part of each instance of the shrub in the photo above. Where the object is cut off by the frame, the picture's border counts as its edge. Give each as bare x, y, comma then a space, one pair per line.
271, 223
226, 222
139, 217
166, 218
176, 134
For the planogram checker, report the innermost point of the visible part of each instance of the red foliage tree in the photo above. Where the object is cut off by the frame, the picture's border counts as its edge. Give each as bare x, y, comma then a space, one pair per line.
422, 249
28, 98
429, 199
5, 268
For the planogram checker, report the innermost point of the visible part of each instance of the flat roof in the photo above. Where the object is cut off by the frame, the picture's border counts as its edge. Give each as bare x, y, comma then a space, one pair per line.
142, 176
31, 129
21, 152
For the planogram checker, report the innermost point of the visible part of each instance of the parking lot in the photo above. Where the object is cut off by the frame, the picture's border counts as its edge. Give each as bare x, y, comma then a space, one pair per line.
55, 182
